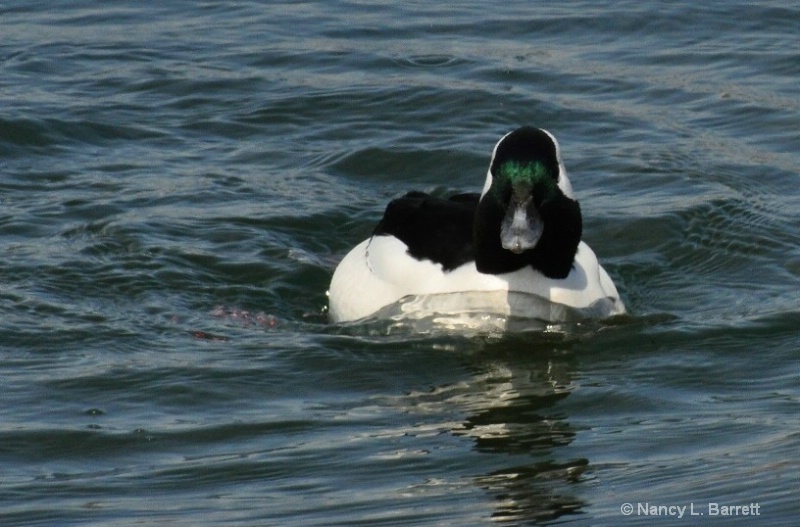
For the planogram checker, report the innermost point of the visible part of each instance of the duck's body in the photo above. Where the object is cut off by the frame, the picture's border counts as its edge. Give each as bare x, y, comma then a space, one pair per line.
490, 253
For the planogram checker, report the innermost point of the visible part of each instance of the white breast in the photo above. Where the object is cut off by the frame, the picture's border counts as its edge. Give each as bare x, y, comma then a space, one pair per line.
379, 272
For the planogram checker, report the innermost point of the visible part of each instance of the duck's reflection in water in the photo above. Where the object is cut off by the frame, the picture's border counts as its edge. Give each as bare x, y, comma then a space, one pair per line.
519, 416
511, 403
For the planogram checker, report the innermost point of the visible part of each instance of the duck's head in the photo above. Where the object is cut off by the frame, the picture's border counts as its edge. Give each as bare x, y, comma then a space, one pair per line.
527, 214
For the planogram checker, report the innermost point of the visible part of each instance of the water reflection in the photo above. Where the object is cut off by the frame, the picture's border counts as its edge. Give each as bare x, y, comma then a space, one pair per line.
517, 414
532, 493
512, 415
512, 411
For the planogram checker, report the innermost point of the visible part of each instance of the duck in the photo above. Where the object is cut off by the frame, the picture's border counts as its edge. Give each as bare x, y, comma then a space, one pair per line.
512, 250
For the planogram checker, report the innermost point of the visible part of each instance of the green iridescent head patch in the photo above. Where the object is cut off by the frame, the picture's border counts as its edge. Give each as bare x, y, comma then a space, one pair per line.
524, 178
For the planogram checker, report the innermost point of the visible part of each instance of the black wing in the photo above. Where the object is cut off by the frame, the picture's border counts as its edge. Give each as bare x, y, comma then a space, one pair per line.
435, 229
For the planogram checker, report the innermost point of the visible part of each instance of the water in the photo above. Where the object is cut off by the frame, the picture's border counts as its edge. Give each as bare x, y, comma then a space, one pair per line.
179, 180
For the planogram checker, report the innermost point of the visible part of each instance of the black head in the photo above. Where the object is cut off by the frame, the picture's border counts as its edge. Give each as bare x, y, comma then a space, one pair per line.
526, 215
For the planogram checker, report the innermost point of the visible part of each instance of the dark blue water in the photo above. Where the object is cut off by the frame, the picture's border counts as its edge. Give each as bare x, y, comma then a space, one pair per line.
178, 181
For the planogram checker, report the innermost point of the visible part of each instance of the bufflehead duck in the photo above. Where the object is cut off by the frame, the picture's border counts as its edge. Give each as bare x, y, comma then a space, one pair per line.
514, 250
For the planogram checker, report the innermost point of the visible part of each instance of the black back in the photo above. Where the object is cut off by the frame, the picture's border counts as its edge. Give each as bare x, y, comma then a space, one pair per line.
435, 229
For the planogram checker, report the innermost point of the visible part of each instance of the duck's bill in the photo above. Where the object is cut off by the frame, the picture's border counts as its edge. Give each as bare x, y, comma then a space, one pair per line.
521, 229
